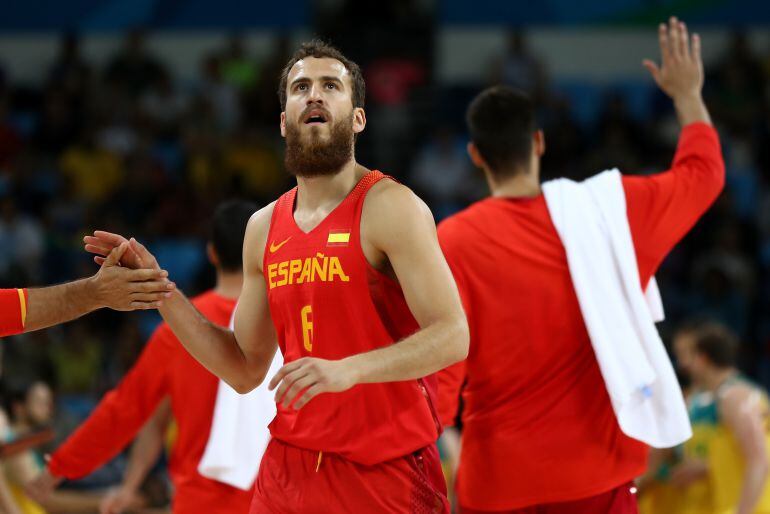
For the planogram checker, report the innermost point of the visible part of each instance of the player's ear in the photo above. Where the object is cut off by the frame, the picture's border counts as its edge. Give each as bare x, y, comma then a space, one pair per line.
475, 155
539, 143
359, 120
211, 253
283, 124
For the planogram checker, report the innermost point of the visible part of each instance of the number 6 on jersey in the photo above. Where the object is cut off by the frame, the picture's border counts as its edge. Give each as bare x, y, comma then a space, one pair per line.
307, 327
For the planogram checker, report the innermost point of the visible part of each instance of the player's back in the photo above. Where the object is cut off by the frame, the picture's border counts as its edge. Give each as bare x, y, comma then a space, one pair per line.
534, 396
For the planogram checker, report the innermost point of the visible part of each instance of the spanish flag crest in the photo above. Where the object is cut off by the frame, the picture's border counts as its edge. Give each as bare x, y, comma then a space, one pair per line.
338, 238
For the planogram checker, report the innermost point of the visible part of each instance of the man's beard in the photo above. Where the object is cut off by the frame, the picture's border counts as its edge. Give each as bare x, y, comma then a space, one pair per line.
317, 158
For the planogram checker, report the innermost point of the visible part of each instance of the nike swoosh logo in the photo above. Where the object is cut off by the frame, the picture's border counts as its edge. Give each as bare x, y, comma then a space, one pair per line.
275, 247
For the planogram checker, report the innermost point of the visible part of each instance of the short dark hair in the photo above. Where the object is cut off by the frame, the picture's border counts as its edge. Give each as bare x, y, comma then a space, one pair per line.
501, 122
714, 341
321, 50
228, 228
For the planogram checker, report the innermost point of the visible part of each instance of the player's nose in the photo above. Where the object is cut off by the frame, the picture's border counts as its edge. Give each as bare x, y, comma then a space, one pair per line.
315, 95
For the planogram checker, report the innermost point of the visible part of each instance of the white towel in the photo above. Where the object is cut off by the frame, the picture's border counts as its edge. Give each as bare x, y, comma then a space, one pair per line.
239, 433
591, 220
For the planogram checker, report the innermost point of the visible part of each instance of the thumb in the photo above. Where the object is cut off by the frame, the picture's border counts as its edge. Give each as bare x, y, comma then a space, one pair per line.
115, 255
652, 67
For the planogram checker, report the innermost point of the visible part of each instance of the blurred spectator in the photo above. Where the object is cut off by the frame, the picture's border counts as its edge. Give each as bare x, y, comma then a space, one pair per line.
95, 171
164, 105
133, 70
221, 97
441, 170
238, 69
32, 410
76, 359
70, 73
21, 238
738, 85
251, 163
520, 68
10, 139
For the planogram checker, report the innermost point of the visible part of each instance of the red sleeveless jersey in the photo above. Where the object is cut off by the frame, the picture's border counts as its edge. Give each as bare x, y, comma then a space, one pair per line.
327, 301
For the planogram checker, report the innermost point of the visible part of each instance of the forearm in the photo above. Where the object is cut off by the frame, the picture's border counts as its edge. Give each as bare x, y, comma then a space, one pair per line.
754, 481
49, 306
74, 502
143, 456
213, 346
427, 351
7, 502
691, 109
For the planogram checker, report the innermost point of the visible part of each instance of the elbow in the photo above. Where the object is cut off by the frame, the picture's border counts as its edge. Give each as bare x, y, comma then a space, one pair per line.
246, 383
461, 340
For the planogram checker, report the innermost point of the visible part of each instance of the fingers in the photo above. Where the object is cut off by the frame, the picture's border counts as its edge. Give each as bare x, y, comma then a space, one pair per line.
684, 40
142, 253
696, 54
149, 297
155, 286
145, 306
288, 381
665, 49
99, 260
93, 245
109, 237
115, 255
308, 395
653, 69
142, 275
297, 385
285, 370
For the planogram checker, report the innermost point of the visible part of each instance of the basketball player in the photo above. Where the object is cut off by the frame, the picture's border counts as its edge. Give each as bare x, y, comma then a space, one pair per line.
724, 466
539, 434
25, 310
165, 371
344, 273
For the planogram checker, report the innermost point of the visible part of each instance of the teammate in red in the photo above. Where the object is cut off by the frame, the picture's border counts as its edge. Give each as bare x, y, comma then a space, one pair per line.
165, 370
344, 273
25, 310
538, 432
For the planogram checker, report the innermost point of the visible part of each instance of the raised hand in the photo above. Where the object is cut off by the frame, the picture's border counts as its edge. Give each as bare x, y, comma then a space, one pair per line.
124, 289
681, 71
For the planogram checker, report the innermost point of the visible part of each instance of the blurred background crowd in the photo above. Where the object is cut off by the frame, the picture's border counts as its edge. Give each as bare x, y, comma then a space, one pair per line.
138, 129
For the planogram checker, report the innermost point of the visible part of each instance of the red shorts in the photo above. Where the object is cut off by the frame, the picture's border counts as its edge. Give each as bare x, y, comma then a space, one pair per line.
295, 480
621, 500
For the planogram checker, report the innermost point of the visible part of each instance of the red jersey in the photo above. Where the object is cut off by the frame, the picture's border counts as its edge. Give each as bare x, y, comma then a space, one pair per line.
13, 311
164, 369
538, 426
327, 301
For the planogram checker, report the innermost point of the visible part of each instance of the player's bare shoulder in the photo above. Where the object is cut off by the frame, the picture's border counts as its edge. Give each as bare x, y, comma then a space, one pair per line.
255, 239
391, 210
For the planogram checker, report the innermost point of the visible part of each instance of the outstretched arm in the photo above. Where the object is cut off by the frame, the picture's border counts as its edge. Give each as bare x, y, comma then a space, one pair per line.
25, 310
663, 207
241, 357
